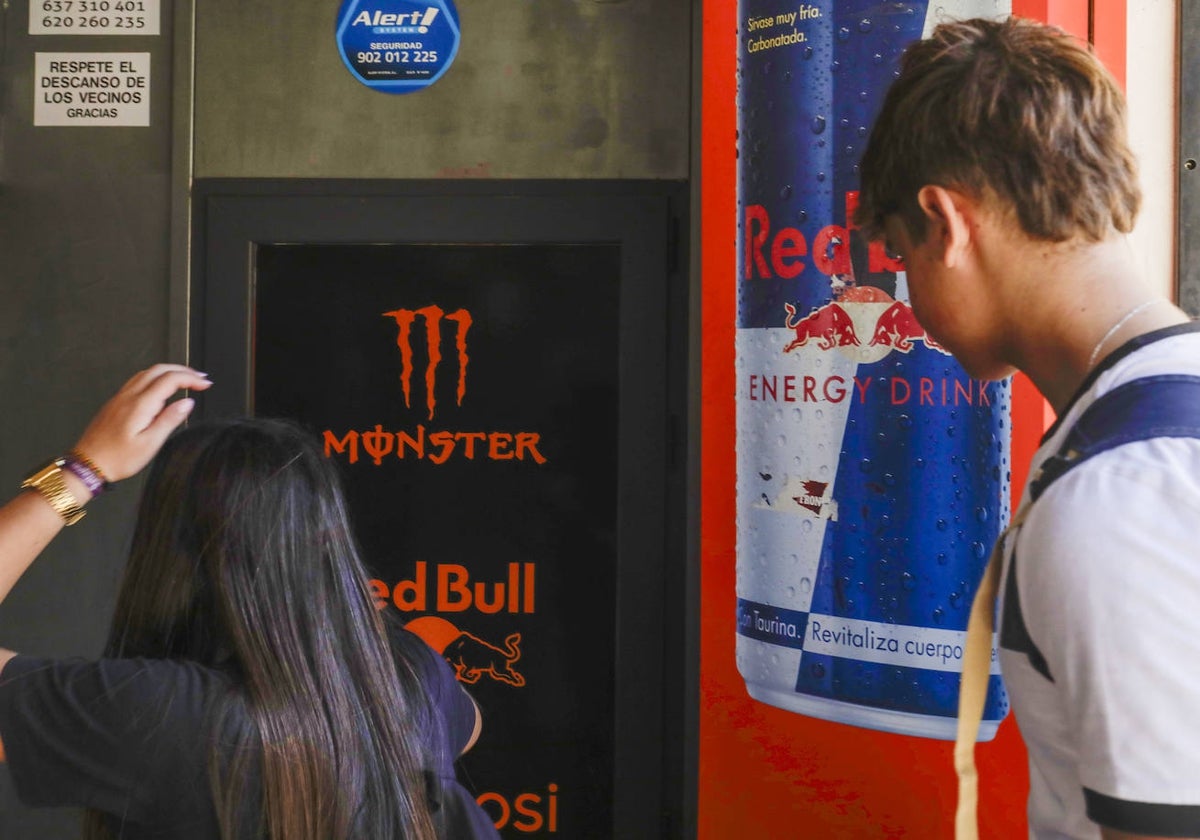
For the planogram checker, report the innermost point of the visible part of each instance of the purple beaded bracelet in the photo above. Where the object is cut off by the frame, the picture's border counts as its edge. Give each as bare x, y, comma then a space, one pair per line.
87, 472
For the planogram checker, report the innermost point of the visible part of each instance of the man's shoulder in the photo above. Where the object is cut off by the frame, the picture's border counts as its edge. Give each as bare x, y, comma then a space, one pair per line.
1117, 531
1167, 353
1137, 487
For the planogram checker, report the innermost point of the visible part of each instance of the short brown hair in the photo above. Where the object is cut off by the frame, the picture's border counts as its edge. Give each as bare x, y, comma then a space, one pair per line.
1013, 108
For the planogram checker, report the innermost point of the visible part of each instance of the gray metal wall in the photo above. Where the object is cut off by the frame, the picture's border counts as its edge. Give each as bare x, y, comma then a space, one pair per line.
1189, 157
84, 267
94, 221
539, 89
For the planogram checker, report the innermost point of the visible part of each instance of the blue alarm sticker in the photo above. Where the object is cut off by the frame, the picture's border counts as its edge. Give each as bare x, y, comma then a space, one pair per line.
398, 46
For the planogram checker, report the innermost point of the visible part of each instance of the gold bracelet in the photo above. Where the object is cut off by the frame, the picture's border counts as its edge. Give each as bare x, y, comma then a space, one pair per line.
50, 483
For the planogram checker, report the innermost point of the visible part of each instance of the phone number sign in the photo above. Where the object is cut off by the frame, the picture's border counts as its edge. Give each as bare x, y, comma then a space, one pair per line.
94, 17
397, 46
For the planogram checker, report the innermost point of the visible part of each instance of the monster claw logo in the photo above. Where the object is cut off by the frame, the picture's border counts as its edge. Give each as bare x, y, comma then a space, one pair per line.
470, 656
437, 445
433, 316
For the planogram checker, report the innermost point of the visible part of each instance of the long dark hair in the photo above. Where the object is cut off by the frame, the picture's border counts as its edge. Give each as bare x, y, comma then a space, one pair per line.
243, 560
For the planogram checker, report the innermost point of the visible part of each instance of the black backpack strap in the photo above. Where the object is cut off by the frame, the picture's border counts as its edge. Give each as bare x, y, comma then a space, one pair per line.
1152, 407
1167, 405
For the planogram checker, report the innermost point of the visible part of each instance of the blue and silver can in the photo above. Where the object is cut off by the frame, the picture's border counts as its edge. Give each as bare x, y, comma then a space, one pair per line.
872, 470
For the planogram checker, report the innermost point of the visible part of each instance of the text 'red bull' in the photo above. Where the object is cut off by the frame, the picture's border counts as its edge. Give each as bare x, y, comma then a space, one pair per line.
455, 591
784, 258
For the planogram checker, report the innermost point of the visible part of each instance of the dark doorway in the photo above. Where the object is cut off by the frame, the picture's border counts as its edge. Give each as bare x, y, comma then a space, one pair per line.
499, 374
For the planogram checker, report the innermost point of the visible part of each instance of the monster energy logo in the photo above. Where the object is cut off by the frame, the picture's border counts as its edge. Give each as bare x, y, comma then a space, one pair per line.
433, 316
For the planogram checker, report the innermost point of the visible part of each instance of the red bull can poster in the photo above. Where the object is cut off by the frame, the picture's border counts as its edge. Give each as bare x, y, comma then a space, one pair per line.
872, 470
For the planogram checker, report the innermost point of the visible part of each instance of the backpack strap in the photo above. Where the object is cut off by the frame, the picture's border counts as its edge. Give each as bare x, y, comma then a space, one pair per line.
1167, 405
1152, 407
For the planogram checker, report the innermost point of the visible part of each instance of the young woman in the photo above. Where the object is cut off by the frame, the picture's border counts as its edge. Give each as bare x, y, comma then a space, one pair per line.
248, 688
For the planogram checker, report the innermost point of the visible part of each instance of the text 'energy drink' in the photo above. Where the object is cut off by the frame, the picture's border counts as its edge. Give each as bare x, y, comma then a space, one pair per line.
872, 470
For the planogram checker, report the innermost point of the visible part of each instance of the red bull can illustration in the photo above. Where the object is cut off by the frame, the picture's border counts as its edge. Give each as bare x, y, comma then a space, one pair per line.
872, 470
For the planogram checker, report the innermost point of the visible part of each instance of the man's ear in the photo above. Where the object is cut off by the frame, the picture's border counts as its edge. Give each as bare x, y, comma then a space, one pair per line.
948, 215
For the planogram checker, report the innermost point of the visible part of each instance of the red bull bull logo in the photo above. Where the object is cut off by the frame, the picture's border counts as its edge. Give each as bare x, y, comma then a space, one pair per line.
860, 311
831, 326
897, 327
471, 657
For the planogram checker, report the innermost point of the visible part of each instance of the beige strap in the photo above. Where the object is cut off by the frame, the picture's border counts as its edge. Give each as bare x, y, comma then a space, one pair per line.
972, 692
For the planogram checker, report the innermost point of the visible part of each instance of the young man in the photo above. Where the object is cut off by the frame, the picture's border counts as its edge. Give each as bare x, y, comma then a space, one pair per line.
999, 170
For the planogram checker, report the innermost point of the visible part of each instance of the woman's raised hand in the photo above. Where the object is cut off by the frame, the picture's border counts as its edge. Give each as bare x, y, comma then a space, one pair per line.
131, 427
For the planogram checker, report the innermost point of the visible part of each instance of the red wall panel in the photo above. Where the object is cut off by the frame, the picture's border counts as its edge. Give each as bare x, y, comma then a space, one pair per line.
765, 772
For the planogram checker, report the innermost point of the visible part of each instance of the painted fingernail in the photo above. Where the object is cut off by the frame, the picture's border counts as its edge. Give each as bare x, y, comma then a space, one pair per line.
185, 405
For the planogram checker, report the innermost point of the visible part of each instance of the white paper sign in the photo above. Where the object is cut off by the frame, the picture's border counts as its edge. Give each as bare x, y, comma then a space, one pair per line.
94, 17
91, 89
